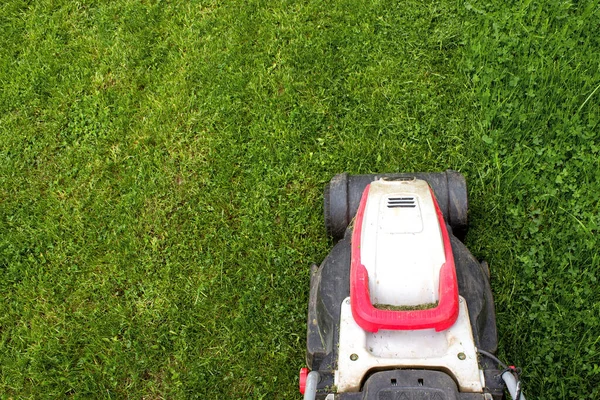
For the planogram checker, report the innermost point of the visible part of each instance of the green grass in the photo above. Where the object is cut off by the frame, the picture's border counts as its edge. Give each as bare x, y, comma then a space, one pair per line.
163, 165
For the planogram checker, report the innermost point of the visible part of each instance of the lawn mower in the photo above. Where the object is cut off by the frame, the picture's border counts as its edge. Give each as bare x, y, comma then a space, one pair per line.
400, 309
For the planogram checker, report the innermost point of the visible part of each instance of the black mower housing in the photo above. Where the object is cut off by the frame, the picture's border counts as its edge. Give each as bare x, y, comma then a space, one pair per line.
330, 285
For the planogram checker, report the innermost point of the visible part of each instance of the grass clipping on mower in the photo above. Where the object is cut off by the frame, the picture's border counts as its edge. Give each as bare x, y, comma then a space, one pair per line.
391, 307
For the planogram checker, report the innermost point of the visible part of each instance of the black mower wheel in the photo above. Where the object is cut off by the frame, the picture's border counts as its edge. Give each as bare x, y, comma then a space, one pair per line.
342, 196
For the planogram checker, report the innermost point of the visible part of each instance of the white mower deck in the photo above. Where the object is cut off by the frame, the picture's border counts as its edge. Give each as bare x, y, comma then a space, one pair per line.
400, 307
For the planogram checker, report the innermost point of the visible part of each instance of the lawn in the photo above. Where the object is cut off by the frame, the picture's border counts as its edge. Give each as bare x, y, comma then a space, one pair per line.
163, 166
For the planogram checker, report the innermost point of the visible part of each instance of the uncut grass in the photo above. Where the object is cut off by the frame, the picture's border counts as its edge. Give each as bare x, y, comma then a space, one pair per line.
163, 168
536, 212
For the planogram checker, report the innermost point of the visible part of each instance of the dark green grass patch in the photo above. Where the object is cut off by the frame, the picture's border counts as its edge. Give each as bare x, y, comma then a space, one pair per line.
536, 85
163, 166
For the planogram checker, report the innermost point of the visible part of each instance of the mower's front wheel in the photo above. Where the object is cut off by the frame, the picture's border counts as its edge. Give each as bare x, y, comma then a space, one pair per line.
342, 196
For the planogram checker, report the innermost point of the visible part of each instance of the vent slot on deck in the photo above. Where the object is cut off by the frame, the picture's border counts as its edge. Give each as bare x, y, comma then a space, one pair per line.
401, 202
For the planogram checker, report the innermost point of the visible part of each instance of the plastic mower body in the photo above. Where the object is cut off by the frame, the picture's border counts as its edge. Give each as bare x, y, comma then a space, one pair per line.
400, 309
